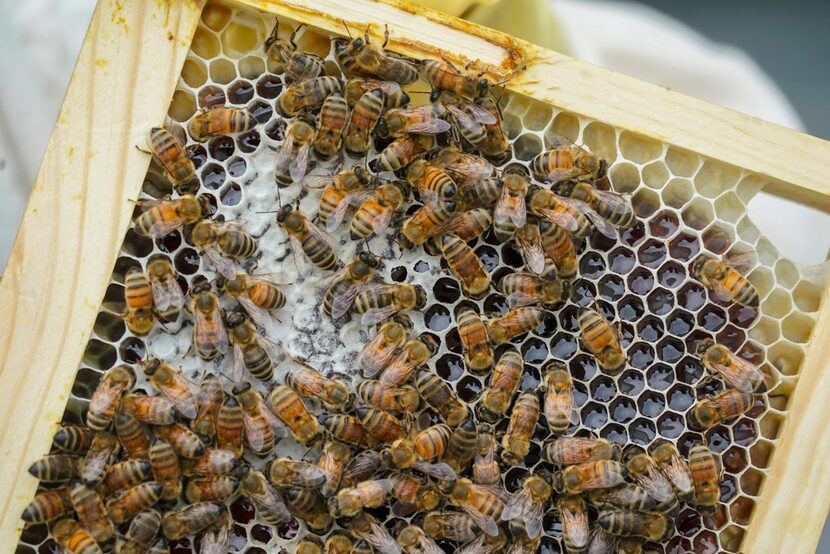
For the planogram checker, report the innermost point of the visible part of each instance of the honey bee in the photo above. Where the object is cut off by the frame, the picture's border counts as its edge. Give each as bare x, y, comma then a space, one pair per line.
560, 407
579, 478
285, 472
368, 494
285, 58
579, 450
467, 118
94, 465
444, 76
462, 445
375, 213
215, 461
706, 470
466, 266
416, 120
739, 373
484, 504
400, 152
517, 321
139, 536
289, 408
361, 58
723, 406
307, 381
614, 207
339, 542
496, 145
162, 217
153, 410
252, 484
306, 94
646, 474
575, 529
367, 528
208, 399
332, 464
485, 466
168, 297
668, 460
191, 519
414, 540
217, 538
221, 242
485, 192
525, 289
307, 238
362, 466
123, 475
565, 160
365, 116
437, 393
309, 545
331, 123
209, 336
558, 245
166, 468
453, 526
292, 157
654, 527
469, 225
572, 215
230, 426
134, 500
602, 340
91, 512
627, 496
184, 442
219, 120
526, 507
725, 277
412, 494
258, 422
465, 169
257, 294
523, 419
389, 398
251, 351
172, 386
310, 506
630, 545
74, 439
47, 505
377, 353
529, 241
74, 539
168, 149
428, 221
379, 302
511, 211
381, 425
346, 188
55, 468
415, 451
478, 354
357, 87
138, 296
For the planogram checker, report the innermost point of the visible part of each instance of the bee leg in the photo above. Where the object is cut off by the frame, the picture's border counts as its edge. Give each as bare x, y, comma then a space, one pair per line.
294, 35
140, 149
449, 63
705, 381
385, 35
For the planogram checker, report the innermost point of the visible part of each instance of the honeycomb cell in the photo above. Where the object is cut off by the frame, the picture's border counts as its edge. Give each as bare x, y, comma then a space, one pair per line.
583, 293
622, 409
216, 16
655, 174
565, 124
639, 149
250, 67
762, 279
611, 288
663, 224
621, 260
807, 296
732, 537
717, 439
603, 389
681, 162
450, 367
714, 177
797, 327
534, 351
231, 195
786, 357
240, 92
109, 327
651, 404
183, 106
222, 71
527, 147
740, 510
641, 355
731, 337
221, 148
469, 388
99, 355
645, 203
594, 415
680, 397
242, 35
625, 177
717, 239
512, 125
631, 308
670, 350
210, 96
601, 140
641, 281
642, 431
194, 72
132, 350
187, 261
770, 425
634, 235
660, 301
591, 265
671, 425
786, 273
671, 275
711, 318
537, 116
137, 245
698, 214
563, 346
205, 44
583, 367
729, 207
213, 176
677, 192
759, 455
650, 329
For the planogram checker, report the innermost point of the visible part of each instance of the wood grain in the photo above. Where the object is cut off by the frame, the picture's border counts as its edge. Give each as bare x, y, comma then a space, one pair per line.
75, 222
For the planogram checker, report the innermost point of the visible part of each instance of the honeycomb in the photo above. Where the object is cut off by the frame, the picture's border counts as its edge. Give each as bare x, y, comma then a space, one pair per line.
687, 205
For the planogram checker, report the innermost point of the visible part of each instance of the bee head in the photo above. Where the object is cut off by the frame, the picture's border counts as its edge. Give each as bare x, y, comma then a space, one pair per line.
703, 346
234, 318
240, 388
420, 297
369, 259
430, 342
283, 213
150, 366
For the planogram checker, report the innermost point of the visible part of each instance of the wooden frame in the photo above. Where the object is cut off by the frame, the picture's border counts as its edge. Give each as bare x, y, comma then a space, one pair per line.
79, 211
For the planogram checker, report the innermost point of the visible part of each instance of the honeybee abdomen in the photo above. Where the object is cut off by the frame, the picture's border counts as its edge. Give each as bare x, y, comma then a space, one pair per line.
47, 505
363, 223
55, 468
329, 201
258, 363
237, 244
229, 426
165, 146
432, 442
137, 291
165, 464
333, 119
741, 290
462, 444
338, 288
617, 213
73, 438
371, 299
466, 265
546, 163
241, 120
440, 183
266, 296
364, 117
320, 253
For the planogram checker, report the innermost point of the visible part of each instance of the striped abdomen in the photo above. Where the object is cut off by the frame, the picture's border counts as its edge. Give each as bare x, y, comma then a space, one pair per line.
363, 222
137, 291
557, 243
466, 266
229, 426
81, 542
258, 362
332, 122
329, 201
319, 252
365, 116
437, 181
477, 350
166, 468
266, 296
432, 441
427, 221
48, 505
549, 162
238, 244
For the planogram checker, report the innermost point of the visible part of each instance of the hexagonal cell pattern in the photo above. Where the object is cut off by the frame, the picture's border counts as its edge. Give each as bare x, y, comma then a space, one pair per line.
687, 205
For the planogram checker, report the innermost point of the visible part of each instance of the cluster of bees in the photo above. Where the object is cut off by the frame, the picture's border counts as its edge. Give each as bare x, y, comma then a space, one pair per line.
125, 474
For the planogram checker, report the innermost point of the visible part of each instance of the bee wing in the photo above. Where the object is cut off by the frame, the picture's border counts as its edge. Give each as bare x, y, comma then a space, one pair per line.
364, 463
184, 402
280, 429
563, 219
166, 293
396, 370
738, 367
336, 217
105, 395
285, 152
440, 471
427, 546
741, 262
518, 215
317, 181
470, 171
576, 523
558, 141
272, 503
612, 197
258, 315
298, 253
299, 165
212, 325
160, 227
403, 509
520, 298
342, 302
559, 174
253, 434
330, 280
719, 290
96, 461
656, 485
480, 114
484, 522
307, 378
380, 539
322, 235
307, 475
374, 357
238, 364
216, 541
432, 126
517, 505
678, 473
533, 253
428, 196
601, 224
383, 219
562, 402
224, 265
373, 316
463, 118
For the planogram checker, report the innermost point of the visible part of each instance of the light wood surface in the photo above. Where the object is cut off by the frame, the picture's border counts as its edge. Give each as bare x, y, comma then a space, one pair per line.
75, 222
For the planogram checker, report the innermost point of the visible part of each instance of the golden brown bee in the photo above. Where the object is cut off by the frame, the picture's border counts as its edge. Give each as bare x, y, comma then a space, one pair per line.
579, 450
379, 302
602, 340
364, 118
428, 221
496, 145
307, 238
470, 224
614, 207
525, 289
102, 450
289, 408
208, 399
432, 183
222, 242
402, 151
361, 467
572, 215
725, 277
357, 87
412, 495
283, 57
368, 494
258, 422
627, 496
166, 468
706, 470
452, 526
514, 323
255, 293
251, 351
285, 472
523, 419
209, 336
645, 472
575, 529
74, 539
510, 212
132, 501
381, 425
438, 394
414, 540
168, 297
466, 116
220, 120
462, 445
362, 58
184, 442
91, 512
485, 192
465, 169
162, 217
168, 149
217, 538
565, 160
307, 94
367, 528
442, 75
332, 464
309, 545
558, 245
653, 527
47, 505
55, 468
215, 461
377, 353
478, 354
602, 474
348, 429
153, 410
346, 188
139, 536
526, 506
172, 386
486, 469
310, 506
414, 451
389, 398
466, 266
560, 406
230, 426
339, 542
191, 519
331, 123
529, 240
214, 488
374, 214
270, 507
483, 503
126, 474
415, 120
292, 157
737, 372
668, 460
138, 296
307, 381
73, 438
723, 406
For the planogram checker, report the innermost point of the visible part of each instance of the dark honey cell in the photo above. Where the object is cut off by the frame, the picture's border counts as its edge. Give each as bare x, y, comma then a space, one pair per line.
591, 266
453, 341
641, 355
137, 245
684, 247
606, 309
603, 389
678, 545
633, 235
275, 130
621, 260
183, 546
34, 533
602, 243
286, 531
421, 266
611, 287
615, 433
670, 350
758, 407
501, 272
563, 346
488, 256
742, 316
221, 148
641, 281
531, 378
99, 355
568, 319
249, 142
594, 415
583, 293
652, 253
670, 425
262, 111
398, 274
197, 154
734, 459
261, 533
527, 147
169, 243
232, 195
269, 86
642, 431
680, 397
631, 308
631, 382
109, 327
717, 240
437, 317
583, 367
86, 381
744, 432
213, 176
663, 224
709, 387
711, 318
671, 275
622, 409
689, 520
660, 376
240, 92
495, 304
534, 351
187, 261
132, 350
728, 490
511, 257
514, 478
680, 323
243, 511
469, 388
689, 370
732, 337
691, 296
548, 327
651, 404
236, 166
210, 96
751, 352
650, 328
660, 302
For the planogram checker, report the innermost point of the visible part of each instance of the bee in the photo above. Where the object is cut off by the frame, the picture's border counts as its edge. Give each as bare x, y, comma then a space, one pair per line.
230, 426
462, 445
412, 494
668, 460
284, 57
191, 519
309, 545
511, 211
572, 215
381, 425
339, 542
139, 536
220, 120
362, 58
558, 245
400, 152
307, 94
415, 120
428, 221
292, 157
414, 540
486, 469
483, 503
162, 217
166, 468
153, 410
736, 371
602, 340
389, 398
208, 400
575, 529
91, 512
478, 354
377, 353
723, 406
74, 539
289, 408
138, 296
215, 461
134, 500
310, 506
257, 489
516, 322
374, 214
331, 123
646, 474
630, 545
365, 116
126, 474
654, 527
307, 381
168, 297
285, 472
453, 526
55, 468
307, 238
367, 528
251, 351
465, 169
627, 496
438, 394
368, 494
361, 467
168, 149
466, 266
523, 419
467, 118
348, 429
379, 302
415, 451
357, 87
94, 465
525, 289
257, 294
332, 464
615, 208
560, 407
258, 422
74, 439
485, 192
444, 76
47, 505
209, 336
217, 538
529, 241
496, 145
565, 160
469, 225
213, 488
172, 386
222, 242
579, 478
579, 450
706, 470
349, 187
725, 277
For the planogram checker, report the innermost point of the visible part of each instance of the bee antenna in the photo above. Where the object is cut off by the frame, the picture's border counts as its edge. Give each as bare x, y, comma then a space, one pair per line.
276, 28
348, 32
